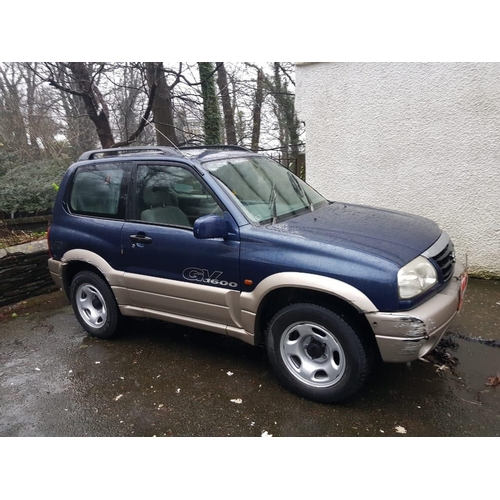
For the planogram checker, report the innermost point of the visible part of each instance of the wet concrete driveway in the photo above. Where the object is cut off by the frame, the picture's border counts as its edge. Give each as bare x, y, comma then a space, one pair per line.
158, 379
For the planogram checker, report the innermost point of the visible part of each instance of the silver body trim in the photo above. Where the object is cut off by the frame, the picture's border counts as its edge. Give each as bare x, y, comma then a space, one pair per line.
207, 307
439, 245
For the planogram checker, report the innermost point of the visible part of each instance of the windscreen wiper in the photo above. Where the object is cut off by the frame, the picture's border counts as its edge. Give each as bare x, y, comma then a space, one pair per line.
300, 191
272, 202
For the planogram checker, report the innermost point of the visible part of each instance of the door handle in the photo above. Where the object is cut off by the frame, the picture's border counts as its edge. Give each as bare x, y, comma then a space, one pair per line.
141, 238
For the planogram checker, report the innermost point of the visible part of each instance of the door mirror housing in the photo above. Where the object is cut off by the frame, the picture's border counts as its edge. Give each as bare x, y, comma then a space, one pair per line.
210, 226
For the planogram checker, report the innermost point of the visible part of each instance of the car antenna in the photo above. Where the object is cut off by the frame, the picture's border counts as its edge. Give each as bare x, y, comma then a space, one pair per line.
149, 122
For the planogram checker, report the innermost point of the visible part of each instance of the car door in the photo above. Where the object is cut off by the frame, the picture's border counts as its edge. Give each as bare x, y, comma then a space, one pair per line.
167, 269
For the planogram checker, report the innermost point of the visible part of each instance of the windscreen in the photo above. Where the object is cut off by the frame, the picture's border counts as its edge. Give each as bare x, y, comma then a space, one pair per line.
265, 190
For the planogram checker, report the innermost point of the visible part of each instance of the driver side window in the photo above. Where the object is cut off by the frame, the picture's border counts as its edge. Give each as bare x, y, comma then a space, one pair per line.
171, 195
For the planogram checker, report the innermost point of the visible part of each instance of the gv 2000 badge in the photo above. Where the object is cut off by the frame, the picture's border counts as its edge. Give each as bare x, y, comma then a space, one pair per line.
204, 276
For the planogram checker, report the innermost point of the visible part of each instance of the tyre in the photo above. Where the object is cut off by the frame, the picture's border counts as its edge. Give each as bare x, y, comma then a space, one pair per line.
317, 353
94, 305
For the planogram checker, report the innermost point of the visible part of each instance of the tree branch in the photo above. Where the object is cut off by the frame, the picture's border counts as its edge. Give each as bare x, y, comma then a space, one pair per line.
143, 122
286, 73
53, 83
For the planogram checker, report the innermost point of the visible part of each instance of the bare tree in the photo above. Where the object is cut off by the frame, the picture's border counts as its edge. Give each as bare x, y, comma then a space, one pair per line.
13, 126
287, 118
81, 79
162, 105
125, 97
28, 123
226, 103
257, 109
85, 104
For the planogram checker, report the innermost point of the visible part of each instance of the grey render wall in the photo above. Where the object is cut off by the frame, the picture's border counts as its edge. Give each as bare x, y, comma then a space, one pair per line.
416, 137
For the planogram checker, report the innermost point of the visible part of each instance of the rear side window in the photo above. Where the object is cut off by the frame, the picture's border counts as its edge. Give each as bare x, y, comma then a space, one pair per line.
98, 190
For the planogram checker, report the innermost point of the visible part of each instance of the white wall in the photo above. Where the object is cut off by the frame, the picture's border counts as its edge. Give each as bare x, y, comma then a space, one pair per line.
416, 137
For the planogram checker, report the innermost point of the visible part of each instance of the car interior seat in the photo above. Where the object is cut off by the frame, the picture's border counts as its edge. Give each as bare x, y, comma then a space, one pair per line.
162, 208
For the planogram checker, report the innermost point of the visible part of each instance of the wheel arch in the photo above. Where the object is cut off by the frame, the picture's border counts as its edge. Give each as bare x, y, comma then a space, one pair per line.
75, 261
277, 291
282, 297
72, 268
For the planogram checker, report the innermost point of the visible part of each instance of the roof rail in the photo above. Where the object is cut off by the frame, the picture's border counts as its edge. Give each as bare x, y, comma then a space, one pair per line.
89, 155
221, 147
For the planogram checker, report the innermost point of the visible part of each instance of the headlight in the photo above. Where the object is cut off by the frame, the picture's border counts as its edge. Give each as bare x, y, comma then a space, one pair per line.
416, 277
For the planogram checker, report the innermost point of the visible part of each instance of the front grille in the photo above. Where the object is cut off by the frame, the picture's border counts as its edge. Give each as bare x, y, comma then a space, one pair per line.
445, 260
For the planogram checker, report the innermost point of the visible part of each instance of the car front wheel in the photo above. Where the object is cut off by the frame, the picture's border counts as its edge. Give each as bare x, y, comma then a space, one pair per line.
318, 353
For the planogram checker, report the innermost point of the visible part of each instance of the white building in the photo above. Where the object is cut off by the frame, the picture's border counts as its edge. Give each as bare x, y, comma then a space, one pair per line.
416, 137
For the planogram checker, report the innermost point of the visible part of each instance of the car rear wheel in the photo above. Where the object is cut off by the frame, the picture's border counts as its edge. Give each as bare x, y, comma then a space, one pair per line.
318, 353
94, 305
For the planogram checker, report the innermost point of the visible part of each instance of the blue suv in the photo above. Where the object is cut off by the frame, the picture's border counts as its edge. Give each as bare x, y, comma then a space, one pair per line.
226, 240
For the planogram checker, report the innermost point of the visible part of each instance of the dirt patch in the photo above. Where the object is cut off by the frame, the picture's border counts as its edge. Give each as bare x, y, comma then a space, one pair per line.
10, 237
440, 355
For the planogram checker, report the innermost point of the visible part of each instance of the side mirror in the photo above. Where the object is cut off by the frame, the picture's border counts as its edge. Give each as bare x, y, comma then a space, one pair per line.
210, 226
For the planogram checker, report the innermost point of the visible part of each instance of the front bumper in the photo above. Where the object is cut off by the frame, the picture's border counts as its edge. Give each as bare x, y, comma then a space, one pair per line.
409, 335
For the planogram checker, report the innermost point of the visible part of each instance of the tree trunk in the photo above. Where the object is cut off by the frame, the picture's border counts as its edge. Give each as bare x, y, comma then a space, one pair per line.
16, 133
259, 99
29, 79
162, 105
226, 103
211, 113
94, 104
287, 118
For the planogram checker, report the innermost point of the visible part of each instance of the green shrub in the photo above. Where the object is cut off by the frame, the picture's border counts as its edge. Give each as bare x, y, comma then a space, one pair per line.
8, 160
29, 187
